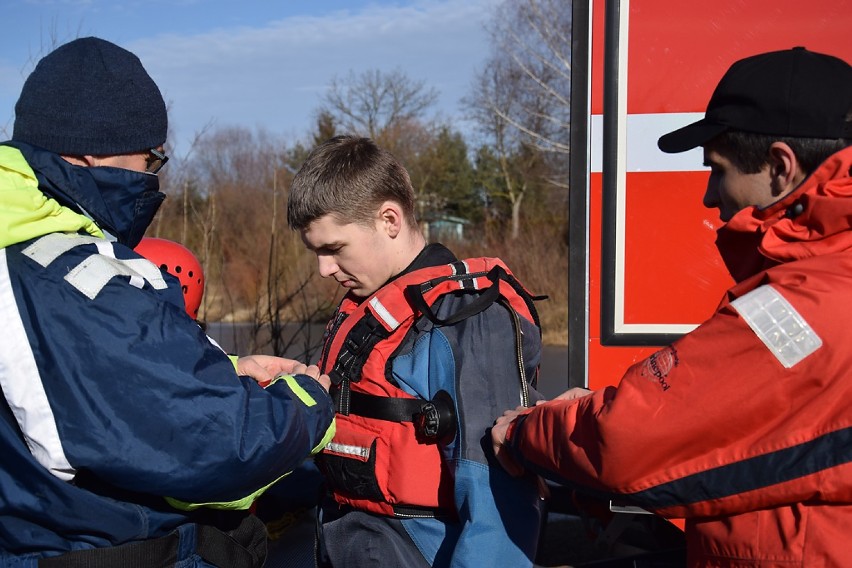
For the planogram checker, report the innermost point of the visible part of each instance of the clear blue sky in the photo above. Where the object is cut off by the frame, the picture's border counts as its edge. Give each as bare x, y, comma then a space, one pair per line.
255, 63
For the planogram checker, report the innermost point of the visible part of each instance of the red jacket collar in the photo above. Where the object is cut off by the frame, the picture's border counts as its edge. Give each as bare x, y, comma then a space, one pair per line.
813, 220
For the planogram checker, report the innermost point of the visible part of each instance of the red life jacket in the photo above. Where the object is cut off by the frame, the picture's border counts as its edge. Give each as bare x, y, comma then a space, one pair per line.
384, 457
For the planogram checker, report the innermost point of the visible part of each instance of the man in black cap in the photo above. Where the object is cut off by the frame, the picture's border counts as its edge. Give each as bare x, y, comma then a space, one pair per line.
742, 427
128, 438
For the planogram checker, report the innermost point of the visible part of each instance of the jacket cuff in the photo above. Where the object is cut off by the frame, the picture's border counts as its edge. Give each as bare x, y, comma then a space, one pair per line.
512, 429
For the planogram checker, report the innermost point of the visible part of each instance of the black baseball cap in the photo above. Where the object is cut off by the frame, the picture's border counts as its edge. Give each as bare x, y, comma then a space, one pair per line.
791, 93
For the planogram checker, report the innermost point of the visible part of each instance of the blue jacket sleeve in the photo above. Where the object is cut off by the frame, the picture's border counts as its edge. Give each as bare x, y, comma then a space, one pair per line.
144, 401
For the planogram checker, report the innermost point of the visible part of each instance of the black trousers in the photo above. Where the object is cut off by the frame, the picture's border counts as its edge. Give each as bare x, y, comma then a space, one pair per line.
354, 539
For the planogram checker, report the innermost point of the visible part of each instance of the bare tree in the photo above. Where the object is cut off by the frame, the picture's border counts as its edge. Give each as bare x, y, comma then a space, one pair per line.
375, 101
497, 92
520, 99
532, 50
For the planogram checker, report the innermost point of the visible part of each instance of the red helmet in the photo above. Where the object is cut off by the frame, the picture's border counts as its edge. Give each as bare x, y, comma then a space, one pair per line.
178, 261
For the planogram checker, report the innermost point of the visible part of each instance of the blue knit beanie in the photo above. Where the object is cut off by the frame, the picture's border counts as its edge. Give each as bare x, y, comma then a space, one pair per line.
90, 97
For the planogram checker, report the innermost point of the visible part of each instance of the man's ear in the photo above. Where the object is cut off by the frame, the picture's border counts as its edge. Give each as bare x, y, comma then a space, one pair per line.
391, 218
87, 161
784, 168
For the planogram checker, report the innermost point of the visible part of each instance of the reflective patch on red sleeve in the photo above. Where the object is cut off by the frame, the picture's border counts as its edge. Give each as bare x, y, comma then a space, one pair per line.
778, 325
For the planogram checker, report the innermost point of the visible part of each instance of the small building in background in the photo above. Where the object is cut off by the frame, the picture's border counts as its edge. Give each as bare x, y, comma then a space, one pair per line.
445, 228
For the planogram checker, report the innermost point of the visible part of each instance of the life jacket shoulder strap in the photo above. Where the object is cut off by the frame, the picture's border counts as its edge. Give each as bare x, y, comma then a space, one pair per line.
392, 309
490, 275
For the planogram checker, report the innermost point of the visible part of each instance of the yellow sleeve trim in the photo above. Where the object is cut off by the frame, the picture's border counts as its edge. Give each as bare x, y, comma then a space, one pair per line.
309, 401
329, 435
246, 502
234, 359
239, 505
298, 390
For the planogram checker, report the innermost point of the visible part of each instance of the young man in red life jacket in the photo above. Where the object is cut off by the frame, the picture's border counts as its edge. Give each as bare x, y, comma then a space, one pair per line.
423, 351
749, 436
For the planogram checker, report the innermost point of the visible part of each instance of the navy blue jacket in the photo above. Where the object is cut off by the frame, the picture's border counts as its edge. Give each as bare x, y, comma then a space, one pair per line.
118, 411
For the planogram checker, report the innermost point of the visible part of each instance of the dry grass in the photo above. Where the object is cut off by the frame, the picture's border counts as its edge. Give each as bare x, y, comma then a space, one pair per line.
539, 259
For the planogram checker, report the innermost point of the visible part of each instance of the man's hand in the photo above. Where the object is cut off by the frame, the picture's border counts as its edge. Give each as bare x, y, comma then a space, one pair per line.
264, 368
498, 440
312, 371
501, 426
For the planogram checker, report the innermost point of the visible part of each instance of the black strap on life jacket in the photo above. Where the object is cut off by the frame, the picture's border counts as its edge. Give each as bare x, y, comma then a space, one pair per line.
382, 407
415, 292
433, 419
243, 547
356, 348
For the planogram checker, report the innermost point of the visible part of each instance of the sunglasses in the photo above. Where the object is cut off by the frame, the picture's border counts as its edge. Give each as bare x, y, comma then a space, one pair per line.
155, 161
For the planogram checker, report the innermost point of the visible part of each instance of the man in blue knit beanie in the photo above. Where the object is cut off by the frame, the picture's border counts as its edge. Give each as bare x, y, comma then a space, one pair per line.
91, 97
127, 436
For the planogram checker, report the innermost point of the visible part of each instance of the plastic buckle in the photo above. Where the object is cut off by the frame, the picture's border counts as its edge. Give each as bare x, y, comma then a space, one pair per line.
428, 421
